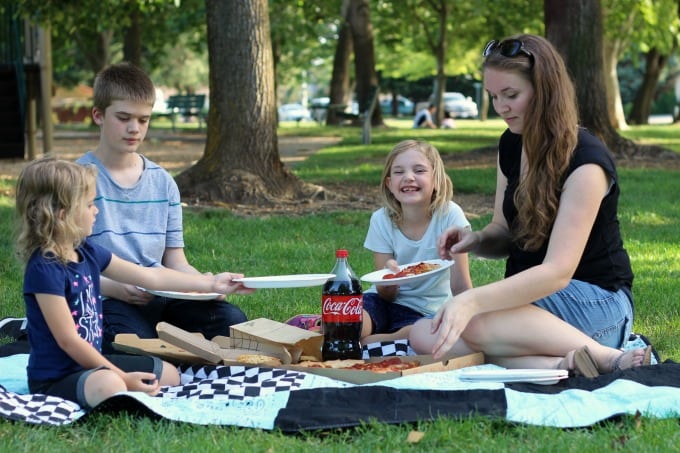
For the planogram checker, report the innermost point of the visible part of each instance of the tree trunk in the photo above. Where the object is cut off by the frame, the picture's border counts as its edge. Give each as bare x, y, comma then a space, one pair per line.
575, 29
132, 41
617, 118
642, 104
339, 89
359, 18
439, 51
241, 162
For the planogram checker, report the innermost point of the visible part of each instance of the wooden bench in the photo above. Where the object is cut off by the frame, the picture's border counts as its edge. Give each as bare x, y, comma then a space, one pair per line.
186, 106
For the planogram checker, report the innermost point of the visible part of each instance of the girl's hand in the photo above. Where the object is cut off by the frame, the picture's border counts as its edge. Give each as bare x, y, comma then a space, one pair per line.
449, 323
225, 284
138, 381
456, 240
389, 292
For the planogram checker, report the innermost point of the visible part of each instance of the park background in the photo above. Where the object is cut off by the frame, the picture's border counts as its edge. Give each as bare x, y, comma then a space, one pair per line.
294, 232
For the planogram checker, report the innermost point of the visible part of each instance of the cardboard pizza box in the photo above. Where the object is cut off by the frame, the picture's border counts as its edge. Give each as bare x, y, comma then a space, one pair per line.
181, 347
130, 343
275, 339
298, 342
427, 365
220, 349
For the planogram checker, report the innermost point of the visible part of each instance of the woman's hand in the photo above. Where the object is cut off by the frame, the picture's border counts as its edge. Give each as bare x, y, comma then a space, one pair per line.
449, 323
456, 240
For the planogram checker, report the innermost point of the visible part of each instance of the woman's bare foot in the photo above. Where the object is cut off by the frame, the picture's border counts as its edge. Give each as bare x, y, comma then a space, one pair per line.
583, 362
629, 359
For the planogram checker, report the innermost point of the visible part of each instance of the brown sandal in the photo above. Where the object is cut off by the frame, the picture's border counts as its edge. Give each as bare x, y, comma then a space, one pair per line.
584, 364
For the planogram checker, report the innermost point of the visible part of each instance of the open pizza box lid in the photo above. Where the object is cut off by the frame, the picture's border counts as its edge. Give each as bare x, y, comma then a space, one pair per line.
262, 331
179, 346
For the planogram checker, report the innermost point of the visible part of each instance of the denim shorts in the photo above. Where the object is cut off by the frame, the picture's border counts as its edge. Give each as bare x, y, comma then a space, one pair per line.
605, 316
388, 317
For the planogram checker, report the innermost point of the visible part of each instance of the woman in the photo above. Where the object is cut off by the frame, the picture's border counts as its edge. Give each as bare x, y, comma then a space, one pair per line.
566, 297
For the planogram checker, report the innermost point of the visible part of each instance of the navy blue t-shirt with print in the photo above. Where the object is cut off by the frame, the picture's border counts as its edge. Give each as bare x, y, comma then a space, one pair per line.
79, 284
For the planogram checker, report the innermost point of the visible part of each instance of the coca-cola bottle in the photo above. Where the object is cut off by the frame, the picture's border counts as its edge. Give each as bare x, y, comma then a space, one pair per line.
341, 312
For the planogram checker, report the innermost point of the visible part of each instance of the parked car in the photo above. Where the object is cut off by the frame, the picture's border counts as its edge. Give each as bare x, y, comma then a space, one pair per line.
294, 112
405, 106
458, 105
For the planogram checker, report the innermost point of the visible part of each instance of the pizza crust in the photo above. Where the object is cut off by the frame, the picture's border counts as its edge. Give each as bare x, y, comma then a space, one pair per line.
259, 359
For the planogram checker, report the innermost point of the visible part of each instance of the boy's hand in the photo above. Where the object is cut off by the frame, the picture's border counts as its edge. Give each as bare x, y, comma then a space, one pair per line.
134, 296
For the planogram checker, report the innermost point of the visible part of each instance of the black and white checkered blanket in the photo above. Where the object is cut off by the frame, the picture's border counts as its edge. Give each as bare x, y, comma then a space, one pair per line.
292, 401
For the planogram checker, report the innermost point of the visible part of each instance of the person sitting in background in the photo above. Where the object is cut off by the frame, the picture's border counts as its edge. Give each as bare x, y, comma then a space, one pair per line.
424, 118
447, 122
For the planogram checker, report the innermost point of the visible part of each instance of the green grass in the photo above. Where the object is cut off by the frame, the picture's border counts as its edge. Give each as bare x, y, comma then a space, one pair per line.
218, 240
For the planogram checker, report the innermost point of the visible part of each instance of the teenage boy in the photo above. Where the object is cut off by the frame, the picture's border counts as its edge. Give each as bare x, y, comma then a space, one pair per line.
140, 215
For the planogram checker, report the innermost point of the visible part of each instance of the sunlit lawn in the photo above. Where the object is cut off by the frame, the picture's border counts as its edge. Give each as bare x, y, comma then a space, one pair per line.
218, 240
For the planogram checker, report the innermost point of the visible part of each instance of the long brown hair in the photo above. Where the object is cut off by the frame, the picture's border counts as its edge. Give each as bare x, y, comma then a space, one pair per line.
549, 136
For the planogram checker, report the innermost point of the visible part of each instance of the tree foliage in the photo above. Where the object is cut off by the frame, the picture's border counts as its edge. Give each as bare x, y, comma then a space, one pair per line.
645, 33
90, 34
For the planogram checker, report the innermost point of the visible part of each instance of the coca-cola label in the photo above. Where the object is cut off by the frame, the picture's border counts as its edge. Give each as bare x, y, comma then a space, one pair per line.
342, 308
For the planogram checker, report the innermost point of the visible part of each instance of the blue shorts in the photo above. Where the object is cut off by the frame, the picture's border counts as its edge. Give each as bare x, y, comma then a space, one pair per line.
388, 317
605, 316
72, 386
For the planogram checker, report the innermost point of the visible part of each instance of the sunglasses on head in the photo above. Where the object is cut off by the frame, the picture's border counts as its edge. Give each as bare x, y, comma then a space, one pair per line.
509, 48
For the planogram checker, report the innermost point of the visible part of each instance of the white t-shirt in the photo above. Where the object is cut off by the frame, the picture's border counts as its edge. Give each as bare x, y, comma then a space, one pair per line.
425, 296
422, 118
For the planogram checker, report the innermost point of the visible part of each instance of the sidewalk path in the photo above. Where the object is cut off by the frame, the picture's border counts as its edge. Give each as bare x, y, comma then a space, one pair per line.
173, 151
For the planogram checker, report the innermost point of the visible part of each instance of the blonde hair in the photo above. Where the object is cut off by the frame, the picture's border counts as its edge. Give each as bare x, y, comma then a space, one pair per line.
122, 82
549, 136
48, 194
443, 187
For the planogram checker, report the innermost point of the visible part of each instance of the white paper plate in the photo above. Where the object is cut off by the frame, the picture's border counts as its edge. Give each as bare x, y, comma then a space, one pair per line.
180, 295
285, 281
536, 376
377, 277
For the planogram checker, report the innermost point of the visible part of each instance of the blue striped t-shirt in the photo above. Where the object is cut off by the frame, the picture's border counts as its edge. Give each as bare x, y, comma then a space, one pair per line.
137, 223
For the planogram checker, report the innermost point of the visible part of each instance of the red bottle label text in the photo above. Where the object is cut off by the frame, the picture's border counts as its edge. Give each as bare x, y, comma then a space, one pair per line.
342, 309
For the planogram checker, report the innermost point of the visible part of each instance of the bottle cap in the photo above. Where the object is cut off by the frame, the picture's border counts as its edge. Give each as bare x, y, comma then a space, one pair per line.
341, 253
